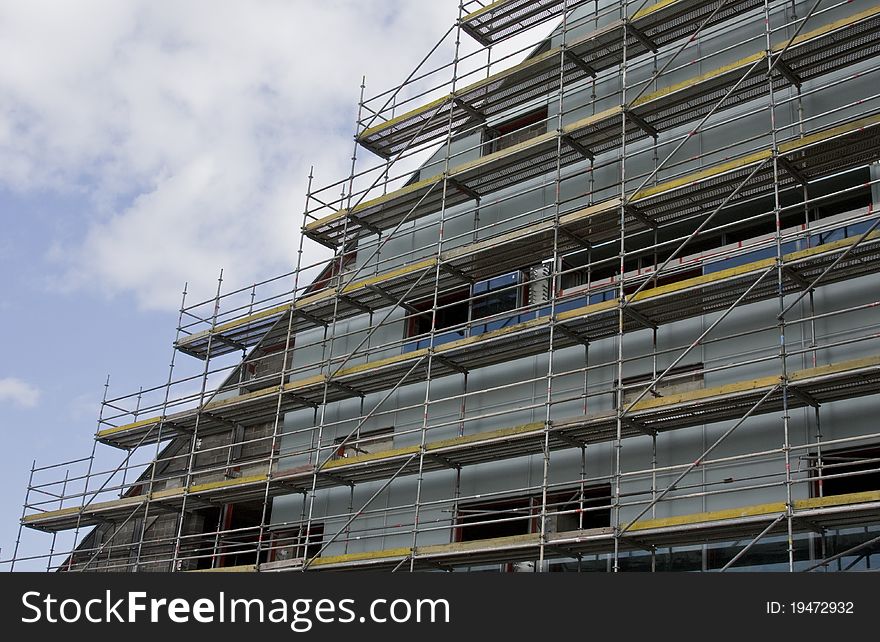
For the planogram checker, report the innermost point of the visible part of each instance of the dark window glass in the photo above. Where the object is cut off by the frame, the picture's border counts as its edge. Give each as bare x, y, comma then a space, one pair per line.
495, 296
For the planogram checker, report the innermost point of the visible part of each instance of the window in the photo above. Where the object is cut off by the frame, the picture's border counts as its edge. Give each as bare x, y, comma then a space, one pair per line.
851, 470
515, 131
237, 539
491, 297
678, 380
568, 510
496, 295
487, 520
369, 441
452, 311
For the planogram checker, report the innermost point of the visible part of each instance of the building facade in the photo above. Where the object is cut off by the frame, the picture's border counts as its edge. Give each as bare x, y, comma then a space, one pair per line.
598, 300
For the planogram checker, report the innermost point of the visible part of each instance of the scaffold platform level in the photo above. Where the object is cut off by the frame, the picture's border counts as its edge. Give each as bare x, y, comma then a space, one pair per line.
834, 511
540, 75
811, 55
368, 293
825, 151
833, 382
661, 305
830, 512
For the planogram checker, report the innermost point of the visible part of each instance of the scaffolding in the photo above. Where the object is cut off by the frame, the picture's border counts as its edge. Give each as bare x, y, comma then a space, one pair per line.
685, 192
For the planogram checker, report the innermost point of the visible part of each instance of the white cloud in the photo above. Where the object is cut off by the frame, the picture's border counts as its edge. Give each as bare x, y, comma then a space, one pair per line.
18, 392
190, 126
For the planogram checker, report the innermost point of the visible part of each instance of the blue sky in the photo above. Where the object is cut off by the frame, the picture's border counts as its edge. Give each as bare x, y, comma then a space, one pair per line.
146, 144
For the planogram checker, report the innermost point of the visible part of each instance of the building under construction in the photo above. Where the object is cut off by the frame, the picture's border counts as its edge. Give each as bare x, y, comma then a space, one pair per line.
602, 295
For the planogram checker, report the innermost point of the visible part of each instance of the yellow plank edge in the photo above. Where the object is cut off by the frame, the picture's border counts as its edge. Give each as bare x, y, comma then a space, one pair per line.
709, 516
834, 368
749, 385
488, 159
489, 435
367, 457
324, 220
227, 483
375, 129
756, 510
838, 500
256, 316
381, 363
831, 26
827, 247
710, 172
168, 492
490, 80
242, 568
139, 499
509, 541
583, 123
126, 427
299, 384
703, 279
647, 11
361, 557
486, 336
73, 510
379, 200
690, 82
221, 403
390, 275
761, 383
827, 134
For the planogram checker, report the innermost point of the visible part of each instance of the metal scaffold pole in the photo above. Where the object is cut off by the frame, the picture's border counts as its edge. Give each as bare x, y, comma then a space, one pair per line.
154, 466
328, 363
435, 303
555, 286
176, 560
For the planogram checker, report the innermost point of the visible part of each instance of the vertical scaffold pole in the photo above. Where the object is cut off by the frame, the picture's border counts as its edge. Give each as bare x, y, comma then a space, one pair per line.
194, 440
433, 334
87, 478
621, 300
555, 286
165, 401
780, 284
328, 358
24, 508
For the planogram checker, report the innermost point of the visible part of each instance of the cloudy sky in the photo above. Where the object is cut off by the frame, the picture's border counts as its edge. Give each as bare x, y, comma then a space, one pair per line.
144, 144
